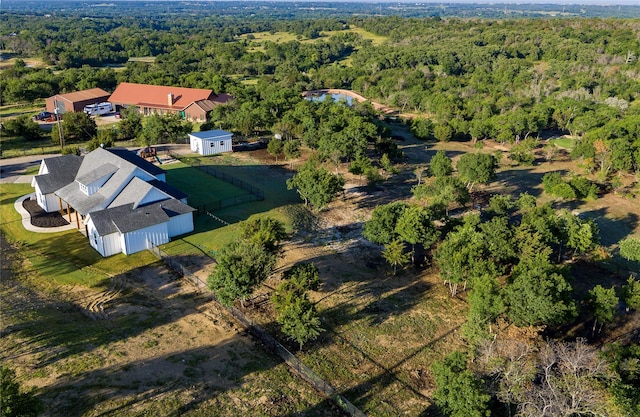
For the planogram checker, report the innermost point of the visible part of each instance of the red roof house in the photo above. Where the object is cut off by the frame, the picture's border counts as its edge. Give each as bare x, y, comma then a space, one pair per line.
75, 102
190, 103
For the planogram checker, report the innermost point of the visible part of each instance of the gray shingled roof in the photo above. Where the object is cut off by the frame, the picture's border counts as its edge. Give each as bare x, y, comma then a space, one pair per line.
166, 188
134, 192
126, 219
175, 207
98, 173
137, 161
62, 171
95, 161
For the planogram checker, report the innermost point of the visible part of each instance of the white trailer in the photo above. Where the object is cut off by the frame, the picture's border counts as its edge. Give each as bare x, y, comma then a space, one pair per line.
98, 109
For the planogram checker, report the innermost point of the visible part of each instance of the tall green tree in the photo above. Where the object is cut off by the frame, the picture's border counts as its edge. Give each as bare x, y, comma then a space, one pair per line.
442, 191
581, 235
476, 168
460, 257
274, 147
539, 295
630, 294
316, 185
22, 126
485, 306
630, 248
395, 255
422, 128
459, 393
292, 150
266, 231
130, 124
440, 165
167, 128
602, 303
381, 228
303, 276
241, 266
416, 227
299, 318
76, 127
498, 240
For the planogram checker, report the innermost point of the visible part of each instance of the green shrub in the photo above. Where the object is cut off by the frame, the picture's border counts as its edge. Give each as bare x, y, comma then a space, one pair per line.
584, 188
564, 190
550, 180
71, 150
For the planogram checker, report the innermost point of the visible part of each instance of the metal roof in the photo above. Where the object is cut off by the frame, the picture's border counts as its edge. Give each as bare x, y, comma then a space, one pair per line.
90, 94
212, 134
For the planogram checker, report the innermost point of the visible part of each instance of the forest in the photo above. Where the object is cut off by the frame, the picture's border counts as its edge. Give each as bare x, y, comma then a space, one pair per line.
473, 75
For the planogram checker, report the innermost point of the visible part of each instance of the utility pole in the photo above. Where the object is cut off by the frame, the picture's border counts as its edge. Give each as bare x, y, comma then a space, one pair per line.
60, 132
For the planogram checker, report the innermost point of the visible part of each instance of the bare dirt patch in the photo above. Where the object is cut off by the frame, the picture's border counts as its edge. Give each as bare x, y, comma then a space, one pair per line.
158, 347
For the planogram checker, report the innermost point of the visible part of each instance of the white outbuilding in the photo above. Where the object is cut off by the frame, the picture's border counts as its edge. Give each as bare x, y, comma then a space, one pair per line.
210, 142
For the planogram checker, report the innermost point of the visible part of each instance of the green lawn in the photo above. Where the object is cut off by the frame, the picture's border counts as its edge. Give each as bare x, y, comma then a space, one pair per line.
211, 235
64, 258
16, 146
566, 143
13, 110
202, 188
67, 258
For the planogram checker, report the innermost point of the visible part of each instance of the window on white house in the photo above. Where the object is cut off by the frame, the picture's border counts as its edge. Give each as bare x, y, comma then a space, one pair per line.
221, 143
212, 144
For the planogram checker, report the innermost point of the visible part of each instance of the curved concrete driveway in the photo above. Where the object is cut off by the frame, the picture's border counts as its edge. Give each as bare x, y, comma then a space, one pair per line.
26, 219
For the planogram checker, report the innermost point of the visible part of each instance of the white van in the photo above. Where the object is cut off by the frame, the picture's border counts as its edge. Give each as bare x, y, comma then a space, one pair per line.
98, 109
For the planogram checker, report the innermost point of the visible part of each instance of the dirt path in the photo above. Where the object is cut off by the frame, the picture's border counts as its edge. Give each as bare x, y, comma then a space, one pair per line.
377, 106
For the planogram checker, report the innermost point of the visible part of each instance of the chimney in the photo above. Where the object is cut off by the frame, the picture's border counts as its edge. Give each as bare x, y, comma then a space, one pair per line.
170, 99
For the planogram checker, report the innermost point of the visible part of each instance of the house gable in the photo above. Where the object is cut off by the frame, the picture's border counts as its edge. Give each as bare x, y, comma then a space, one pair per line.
103, 162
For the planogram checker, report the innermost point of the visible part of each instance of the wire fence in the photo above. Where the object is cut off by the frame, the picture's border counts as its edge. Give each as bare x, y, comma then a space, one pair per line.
227, 202
222, 176
267, 340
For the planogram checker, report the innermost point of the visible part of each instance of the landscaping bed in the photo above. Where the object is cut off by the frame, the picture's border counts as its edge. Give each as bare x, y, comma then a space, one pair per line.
41, 218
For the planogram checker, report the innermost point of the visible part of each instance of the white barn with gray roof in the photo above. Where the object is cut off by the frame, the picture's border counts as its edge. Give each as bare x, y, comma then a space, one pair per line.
122, 200
211, 142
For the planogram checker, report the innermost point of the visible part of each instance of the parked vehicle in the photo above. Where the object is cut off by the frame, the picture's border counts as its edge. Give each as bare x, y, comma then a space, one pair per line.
43, 115
98, 109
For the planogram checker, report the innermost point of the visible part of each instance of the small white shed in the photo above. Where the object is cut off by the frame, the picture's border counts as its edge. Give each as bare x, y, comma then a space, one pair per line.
210, 142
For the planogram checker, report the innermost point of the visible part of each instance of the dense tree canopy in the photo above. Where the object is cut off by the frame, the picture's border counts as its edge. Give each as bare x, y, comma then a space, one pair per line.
241, 266
316, 185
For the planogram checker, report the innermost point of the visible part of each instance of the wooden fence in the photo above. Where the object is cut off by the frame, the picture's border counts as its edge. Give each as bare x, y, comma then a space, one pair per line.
267, 340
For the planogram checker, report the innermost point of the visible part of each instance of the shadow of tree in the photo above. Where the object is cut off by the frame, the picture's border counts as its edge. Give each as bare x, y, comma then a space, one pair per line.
612, 231
170, 385
516, 181
58, 330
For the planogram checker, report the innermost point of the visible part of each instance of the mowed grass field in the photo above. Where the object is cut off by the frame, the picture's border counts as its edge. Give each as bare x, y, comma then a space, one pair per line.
205, 191
64, 258
256, 39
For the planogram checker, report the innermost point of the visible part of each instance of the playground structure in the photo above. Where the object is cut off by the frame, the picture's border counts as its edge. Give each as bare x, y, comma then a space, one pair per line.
150, 154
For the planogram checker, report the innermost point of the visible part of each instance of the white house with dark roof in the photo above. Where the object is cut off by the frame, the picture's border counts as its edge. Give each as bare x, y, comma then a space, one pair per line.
54, 173
211, 142
121, 199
